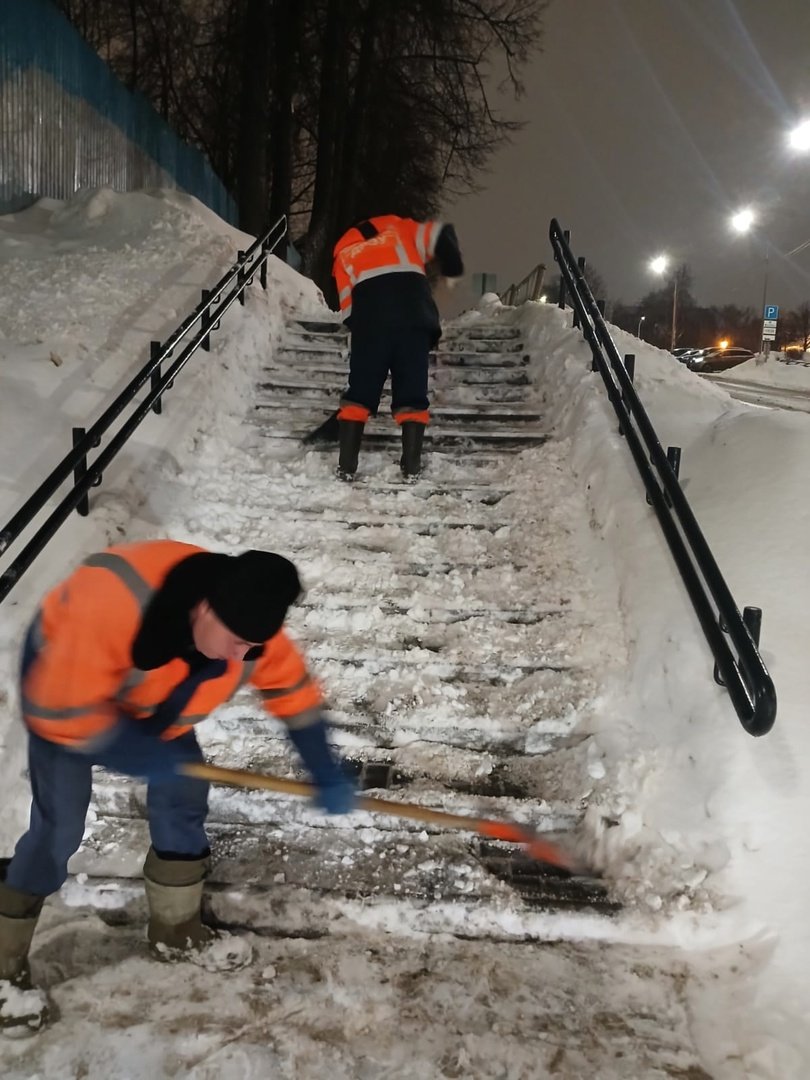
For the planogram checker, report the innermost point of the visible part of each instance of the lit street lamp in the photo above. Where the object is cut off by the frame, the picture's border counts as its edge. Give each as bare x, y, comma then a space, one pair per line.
640, 321
799, 137
659, 266
742, 222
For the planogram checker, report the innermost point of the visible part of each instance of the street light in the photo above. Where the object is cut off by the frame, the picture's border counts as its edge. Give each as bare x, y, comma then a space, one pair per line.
742, 222
799, 137
640, 321
659, 266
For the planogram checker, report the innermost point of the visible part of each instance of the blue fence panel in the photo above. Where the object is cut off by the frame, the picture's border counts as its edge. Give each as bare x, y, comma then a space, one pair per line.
66, 122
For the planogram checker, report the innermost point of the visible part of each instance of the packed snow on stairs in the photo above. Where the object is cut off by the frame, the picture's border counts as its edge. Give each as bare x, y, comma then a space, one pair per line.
454, 623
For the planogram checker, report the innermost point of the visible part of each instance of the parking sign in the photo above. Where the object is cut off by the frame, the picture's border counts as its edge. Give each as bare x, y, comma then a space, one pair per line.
771, 311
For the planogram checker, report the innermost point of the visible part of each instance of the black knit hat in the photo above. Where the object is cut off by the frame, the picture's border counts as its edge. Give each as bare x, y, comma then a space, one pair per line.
252, 593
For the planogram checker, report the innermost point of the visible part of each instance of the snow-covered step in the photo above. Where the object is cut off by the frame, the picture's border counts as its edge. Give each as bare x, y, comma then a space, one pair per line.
378, 660
405, 865
482, 332
486, 411
429, 614
481, 347
306, 352
465, 638
318, 326
298, 363
443, 417
447, 358
460, 725
482, 376
294, 334
515, 439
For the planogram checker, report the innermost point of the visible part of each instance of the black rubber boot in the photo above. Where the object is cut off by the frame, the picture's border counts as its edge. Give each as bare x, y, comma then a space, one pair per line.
412, 435
350, 435
174, 890
22, 1005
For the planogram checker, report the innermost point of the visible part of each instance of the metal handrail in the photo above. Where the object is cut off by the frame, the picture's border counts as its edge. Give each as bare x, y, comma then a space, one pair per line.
739, 665
530, 288
208, 314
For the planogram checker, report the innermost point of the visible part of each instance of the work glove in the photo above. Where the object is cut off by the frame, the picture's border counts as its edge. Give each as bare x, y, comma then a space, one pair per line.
335, 793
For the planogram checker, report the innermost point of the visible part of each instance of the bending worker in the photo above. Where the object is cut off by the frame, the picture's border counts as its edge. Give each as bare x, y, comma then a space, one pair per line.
380, 271
124, 657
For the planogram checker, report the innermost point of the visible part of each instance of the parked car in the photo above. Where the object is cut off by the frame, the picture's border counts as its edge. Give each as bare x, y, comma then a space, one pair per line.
717, 359
683, 353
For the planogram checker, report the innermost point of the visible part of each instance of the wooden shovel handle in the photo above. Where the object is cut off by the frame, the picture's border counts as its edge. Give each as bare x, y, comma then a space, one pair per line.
497, 830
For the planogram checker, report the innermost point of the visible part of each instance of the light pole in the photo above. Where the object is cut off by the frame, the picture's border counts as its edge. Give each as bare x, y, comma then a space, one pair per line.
742, 222
640, 321
659, 266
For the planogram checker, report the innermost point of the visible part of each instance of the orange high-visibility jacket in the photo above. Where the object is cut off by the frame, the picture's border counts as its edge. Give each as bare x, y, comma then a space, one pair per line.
401, 245
83, 677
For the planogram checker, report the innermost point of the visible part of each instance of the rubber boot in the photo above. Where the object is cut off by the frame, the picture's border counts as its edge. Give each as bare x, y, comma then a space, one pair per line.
174, 890
22, 1006
412, 435
350, 436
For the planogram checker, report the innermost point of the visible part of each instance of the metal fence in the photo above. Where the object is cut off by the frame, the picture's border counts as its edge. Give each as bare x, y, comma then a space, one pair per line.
66, 122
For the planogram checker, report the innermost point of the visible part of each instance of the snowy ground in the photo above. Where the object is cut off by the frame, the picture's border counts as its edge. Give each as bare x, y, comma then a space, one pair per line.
697, 826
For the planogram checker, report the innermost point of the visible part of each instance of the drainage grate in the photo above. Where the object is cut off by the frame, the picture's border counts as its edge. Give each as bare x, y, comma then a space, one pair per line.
541, 885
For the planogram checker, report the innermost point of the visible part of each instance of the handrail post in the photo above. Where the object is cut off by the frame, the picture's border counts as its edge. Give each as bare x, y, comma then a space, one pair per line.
674, 459
630, 368
154, 352
752, 617
581, 266
206, 320
240, 277
561, 294
264, 256
79, 469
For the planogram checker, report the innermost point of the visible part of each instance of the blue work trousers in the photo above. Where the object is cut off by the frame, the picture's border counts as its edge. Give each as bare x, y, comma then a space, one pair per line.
377, 350
61, 783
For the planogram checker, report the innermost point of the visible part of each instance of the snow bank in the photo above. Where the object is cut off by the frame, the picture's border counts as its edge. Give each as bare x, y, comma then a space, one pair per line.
693, 813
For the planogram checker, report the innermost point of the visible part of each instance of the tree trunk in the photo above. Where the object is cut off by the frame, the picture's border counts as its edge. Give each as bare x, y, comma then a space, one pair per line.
356, 133
317, 245
251, 150
287, 27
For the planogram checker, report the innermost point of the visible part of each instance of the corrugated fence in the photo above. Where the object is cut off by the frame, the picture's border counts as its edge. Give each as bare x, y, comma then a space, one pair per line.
66, 122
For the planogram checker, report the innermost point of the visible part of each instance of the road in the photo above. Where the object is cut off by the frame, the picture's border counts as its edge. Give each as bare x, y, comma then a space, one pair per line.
766, 395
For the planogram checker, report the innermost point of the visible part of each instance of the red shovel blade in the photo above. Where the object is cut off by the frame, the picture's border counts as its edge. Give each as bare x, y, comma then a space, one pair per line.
542, 850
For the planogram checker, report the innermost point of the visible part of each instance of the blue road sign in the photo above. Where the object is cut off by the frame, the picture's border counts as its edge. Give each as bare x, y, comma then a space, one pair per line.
771, 311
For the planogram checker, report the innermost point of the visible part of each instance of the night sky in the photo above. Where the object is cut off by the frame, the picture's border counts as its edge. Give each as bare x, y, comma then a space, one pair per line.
649, 123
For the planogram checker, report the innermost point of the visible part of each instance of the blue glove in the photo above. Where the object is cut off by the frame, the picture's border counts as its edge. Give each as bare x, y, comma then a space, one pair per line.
335, 792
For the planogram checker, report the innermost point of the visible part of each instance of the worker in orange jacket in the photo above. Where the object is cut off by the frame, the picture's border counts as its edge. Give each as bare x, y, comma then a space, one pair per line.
380, 271
124, 657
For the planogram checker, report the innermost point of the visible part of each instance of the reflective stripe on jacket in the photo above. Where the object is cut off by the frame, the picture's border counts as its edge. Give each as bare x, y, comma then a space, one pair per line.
83, 676
401, 245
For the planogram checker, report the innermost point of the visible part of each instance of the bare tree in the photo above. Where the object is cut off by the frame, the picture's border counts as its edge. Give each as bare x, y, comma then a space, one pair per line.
328, 110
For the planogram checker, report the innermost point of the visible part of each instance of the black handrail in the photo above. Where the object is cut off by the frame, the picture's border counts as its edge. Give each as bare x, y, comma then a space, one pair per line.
739, 665
208, 314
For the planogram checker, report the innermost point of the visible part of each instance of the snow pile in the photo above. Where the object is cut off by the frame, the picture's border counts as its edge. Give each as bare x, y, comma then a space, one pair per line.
772, 371
693, 810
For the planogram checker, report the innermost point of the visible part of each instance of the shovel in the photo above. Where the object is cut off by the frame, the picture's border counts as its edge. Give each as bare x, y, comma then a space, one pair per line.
328, 431
537, 848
